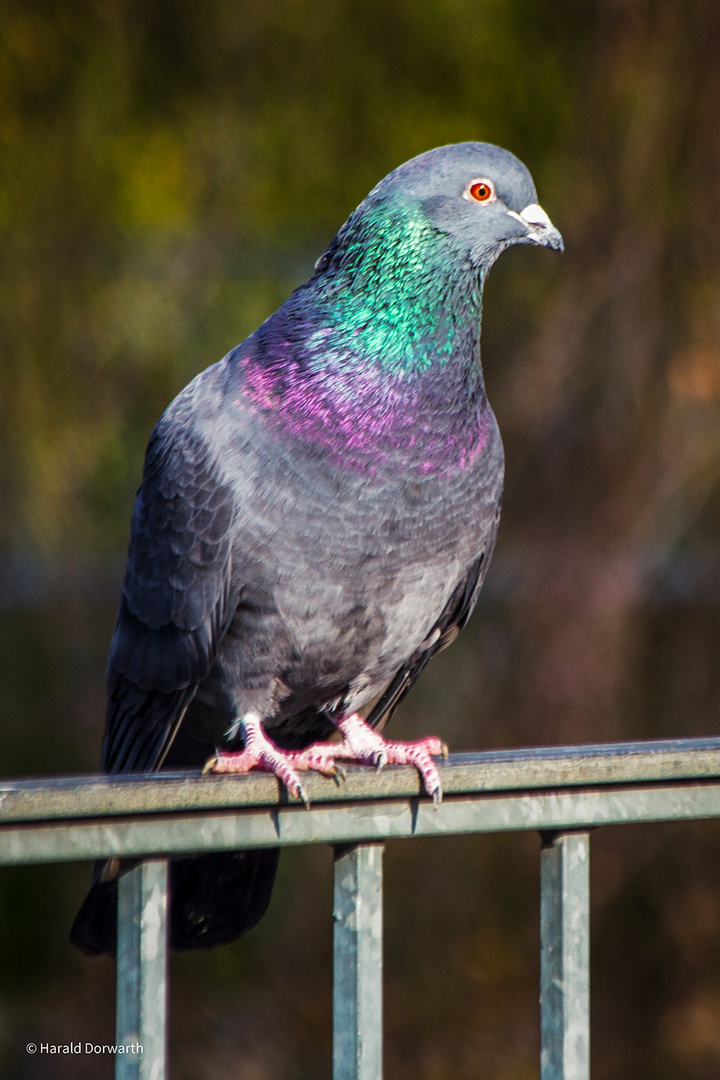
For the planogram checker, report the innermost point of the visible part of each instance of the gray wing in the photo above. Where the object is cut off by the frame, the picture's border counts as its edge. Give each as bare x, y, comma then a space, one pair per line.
175, 596
455, 615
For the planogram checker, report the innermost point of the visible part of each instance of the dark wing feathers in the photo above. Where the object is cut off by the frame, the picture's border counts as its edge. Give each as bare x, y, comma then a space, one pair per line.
180, 535
175, 597
141, 726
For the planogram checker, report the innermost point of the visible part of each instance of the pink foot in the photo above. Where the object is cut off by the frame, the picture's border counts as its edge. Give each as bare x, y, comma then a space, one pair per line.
260, 753
362, 744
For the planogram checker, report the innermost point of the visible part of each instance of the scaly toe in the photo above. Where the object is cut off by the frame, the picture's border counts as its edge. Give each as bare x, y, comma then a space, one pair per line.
299, 792
266, 759
319, 758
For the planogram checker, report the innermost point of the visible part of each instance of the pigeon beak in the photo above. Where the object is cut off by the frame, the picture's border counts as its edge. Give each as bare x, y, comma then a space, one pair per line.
540, 228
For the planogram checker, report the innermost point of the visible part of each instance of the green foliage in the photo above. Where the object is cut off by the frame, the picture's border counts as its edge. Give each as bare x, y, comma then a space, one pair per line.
169, 172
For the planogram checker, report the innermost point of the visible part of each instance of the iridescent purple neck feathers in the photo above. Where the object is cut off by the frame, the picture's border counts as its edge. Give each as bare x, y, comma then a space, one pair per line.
371, 419
376, 359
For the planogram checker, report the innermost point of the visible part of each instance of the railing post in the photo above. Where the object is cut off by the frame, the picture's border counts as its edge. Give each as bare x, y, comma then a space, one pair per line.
357, 964
142, 972
565, 957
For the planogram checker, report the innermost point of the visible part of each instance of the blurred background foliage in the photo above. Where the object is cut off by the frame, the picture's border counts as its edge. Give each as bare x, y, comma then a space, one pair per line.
168, 173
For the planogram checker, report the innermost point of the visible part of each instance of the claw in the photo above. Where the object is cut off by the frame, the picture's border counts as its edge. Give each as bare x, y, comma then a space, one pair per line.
297, 791
210, 764
360, 743
365, 745
329, 771
300, 793
259, 753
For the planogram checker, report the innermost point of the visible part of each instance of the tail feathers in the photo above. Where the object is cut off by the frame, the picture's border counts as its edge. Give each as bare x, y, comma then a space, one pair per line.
213, 900
95, 927
216, 898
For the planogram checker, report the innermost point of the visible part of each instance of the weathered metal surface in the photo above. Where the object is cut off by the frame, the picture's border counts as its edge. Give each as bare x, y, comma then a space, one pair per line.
495, 770
555, 790
565, 957
142, 973
352, 822
357, 963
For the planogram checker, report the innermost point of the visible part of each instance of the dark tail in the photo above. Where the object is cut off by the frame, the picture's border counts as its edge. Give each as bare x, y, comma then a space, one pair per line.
213, 900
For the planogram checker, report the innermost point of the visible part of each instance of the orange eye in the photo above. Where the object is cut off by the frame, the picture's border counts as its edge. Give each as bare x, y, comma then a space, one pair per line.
482, 191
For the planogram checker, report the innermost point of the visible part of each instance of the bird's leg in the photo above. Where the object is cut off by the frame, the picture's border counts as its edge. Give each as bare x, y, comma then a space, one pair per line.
360, 743
366, 746
260, 753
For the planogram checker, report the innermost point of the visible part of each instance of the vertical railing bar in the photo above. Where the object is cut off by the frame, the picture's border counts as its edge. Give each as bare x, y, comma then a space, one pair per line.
565, 957
142, 972
357, 962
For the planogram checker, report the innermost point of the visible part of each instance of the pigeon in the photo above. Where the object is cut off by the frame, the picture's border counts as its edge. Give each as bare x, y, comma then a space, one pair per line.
316, 518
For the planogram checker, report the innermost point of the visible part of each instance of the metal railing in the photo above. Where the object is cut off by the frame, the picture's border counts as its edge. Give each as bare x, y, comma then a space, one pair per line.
562, 792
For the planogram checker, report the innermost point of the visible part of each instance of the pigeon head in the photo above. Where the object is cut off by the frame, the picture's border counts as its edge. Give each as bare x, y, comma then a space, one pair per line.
378, 354
480, 196
443, 216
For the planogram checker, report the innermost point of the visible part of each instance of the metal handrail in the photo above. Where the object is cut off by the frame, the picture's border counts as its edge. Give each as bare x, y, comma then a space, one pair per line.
562, 792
